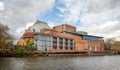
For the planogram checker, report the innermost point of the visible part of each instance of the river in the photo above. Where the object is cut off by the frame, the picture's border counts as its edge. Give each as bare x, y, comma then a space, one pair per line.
61, 63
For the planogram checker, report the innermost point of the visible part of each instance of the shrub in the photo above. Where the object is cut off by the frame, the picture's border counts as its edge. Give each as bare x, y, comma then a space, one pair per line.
20, 50
30, 46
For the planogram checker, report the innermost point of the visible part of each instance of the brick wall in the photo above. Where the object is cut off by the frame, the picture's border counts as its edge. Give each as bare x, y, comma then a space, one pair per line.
65, 27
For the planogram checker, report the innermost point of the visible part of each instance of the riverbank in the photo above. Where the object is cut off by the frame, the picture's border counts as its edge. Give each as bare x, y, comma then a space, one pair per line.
41, 54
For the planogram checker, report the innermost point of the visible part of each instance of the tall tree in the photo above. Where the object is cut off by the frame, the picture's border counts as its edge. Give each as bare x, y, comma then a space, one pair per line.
109, 43
6, 40
117, 46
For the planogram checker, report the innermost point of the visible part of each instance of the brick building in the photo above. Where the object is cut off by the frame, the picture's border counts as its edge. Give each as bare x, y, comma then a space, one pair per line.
62, 38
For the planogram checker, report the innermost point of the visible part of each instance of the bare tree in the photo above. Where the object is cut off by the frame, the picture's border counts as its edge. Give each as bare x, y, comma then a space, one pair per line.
109, 43
117, 46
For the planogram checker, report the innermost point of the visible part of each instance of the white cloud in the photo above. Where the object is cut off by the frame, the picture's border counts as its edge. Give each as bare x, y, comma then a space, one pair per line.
73, 9
107, 30
61, 9
97, 17
22, 29
87, 10
51, 24
29, 24
19, 31
18, 13
2, 6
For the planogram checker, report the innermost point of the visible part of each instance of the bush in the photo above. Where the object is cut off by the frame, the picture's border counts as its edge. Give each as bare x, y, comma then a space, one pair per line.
30, 46
20, 50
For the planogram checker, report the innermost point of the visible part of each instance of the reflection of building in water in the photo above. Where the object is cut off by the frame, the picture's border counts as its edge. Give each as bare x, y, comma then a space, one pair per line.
62, 38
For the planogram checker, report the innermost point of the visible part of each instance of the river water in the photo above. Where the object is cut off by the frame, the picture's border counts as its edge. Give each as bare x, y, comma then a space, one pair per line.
61, 63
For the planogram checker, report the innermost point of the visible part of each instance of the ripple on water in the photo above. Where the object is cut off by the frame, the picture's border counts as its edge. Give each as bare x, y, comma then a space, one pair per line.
61, 63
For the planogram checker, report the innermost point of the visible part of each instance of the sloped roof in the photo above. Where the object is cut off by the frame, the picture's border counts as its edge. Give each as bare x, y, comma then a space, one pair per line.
38, 26
28, 35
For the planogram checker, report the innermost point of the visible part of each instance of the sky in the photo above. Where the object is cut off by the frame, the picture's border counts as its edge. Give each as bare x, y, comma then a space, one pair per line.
97, 17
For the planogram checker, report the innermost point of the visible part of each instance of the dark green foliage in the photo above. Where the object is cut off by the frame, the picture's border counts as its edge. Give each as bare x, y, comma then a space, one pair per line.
20, 51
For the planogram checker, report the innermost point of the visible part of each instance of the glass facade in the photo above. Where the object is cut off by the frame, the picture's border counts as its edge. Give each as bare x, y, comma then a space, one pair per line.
43, 43
90, 38
47, 43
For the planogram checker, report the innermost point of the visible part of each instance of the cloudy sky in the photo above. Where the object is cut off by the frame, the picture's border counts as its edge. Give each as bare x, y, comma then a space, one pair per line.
97, 17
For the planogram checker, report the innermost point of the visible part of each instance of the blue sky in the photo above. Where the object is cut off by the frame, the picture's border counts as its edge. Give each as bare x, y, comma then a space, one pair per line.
97, 17
53, 15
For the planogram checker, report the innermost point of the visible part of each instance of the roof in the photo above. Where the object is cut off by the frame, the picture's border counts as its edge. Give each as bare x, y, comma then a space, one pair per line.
75, 33
38, 26
28, 35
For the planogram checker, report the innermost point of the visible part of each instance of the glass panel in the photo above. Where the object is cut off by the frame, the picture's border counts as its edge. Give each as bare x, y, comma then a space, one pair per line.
46, 43
48, 48
49, 43
39, 42
44, 48
47, 38
43, 42
43, 37
90, 38
39, 48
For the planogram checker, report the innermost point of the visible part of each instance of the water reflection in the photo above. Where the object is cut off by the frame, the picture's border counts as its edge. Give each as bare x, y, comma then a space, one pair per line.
61, 63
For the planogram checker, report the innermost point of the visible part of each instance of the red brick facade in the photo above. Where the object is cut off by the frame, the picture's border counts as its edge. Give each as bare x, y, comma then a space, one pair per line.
80, 45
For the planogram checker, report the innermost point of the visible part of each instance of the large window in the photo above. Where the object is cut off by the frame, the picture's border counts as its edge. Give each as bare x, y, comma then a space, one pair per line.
39, 42
43, 42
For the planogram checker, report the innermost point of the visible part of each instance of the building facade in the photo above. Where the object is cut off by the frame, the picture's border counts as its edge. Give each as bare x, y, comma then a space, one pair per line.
62, 38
